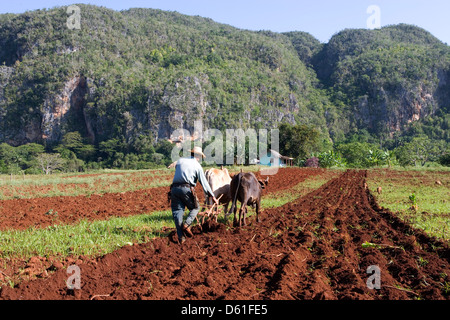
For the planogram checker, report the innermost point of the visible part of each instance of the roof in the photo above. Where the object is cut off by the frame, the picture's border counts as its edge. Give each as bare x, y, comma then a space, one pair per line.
278, 155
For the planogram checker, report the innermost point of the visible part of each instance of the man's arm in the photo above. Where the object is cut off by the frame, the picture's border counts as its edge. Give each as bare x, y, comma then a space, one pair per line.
202, 178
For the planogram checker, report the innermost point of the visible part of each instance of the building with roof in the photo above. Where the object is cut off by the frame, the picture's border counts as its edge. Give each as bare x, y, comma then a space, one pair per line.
274, 158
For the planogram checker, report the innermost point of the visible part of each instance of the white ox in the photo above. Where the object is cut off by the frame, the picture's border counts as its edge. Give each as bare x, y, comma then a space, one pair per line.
219, 181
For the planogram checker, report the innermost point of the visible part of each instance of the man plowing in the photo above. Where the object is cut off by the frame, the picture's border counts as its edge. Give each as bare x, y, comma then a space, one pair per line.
188, 172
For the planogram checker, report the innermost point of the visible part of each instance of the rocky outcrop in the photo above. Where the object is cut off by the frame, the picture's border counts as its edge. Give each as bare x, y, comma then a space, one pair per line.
179, 105
393, 111
5, 73
66, 111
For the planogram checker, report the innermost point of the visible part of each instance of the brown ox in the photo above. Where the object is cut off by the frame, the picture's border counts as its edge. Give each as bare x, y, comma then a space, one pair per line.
219, 181
246, 188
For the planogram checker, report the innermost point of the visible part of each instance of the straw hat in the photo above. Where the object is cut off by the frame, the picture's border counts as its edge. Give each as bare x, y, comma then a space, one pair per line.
199, 151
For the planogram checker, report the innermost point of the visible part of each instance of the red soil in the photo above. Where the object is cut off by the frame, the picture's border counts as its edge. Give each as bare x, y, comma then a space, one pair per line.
41, 212
308, 249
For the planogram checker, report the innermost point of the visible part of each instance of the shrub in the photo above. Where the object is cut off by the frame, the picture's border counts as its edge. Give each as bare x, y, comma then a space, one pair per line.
445, 160
330, 159
312, 163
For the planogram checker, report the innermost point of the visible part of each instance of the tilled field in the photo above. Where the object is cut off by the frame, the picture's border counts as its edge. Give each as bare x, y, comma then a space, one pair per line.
317, 247
41, 212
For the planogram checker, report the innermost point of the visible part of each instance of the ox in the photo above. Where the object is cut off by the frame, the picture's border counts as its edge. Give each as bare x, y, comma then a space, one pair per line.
219, 181
246, 188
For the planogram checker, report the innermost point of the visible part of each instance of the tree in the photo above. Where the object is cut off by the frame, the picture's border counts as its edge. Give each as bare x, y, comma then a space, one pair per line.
298, 141
355, 153
419, 151
16, 159
445, 160
11, 158
113, 151
73, 141
72, 163
50, 162
330, 159
164, 147
86, 152
143, 144
30, 151
158, 159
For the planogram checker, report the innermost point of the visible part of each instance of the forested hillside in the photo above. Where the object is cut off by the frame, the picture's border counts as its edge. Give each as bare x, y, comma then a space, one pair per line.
388, 78
113, 91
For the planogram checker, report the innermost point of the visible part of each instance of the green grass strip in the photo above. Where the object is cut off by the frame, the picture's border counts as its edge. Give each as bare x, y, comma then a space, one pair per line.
91, 238
432, 207
97, 238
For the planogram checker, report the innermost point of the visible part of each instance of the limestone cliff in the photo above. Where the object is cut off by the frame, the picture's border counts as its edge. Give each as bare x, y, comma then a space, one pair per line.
145, 72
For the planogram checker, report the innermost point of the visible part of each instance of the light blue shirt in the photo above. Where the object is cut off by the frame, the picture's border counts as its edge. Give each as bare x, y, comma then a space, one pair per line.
189, 170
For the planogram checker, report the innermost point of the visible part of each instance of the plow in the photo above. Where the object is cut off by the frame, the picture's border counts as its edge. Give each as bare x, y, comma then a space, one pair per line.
209, 213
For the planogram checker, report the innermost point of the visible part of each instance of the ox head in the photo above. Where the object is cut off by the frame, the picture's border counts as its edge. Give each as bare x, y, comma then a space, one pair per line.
264, 183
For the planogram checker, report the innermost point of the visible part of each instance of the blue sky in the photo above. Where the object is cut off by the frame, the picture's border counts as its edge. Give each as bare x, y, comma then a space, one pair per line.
321, 18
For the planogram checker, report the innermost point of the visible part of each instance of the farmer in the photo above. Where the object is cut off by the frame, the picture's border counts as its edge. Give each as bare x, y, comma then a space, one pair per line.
187, 172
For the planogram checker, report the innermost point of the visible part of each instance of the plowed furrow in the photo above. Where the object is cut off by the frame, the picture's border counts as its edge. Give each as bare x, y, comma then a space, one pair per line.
311, 248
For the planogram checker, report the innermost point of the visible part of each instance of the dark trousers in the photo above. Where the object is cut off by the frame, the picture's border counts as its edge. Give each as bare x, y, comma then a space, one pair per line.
180, 199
